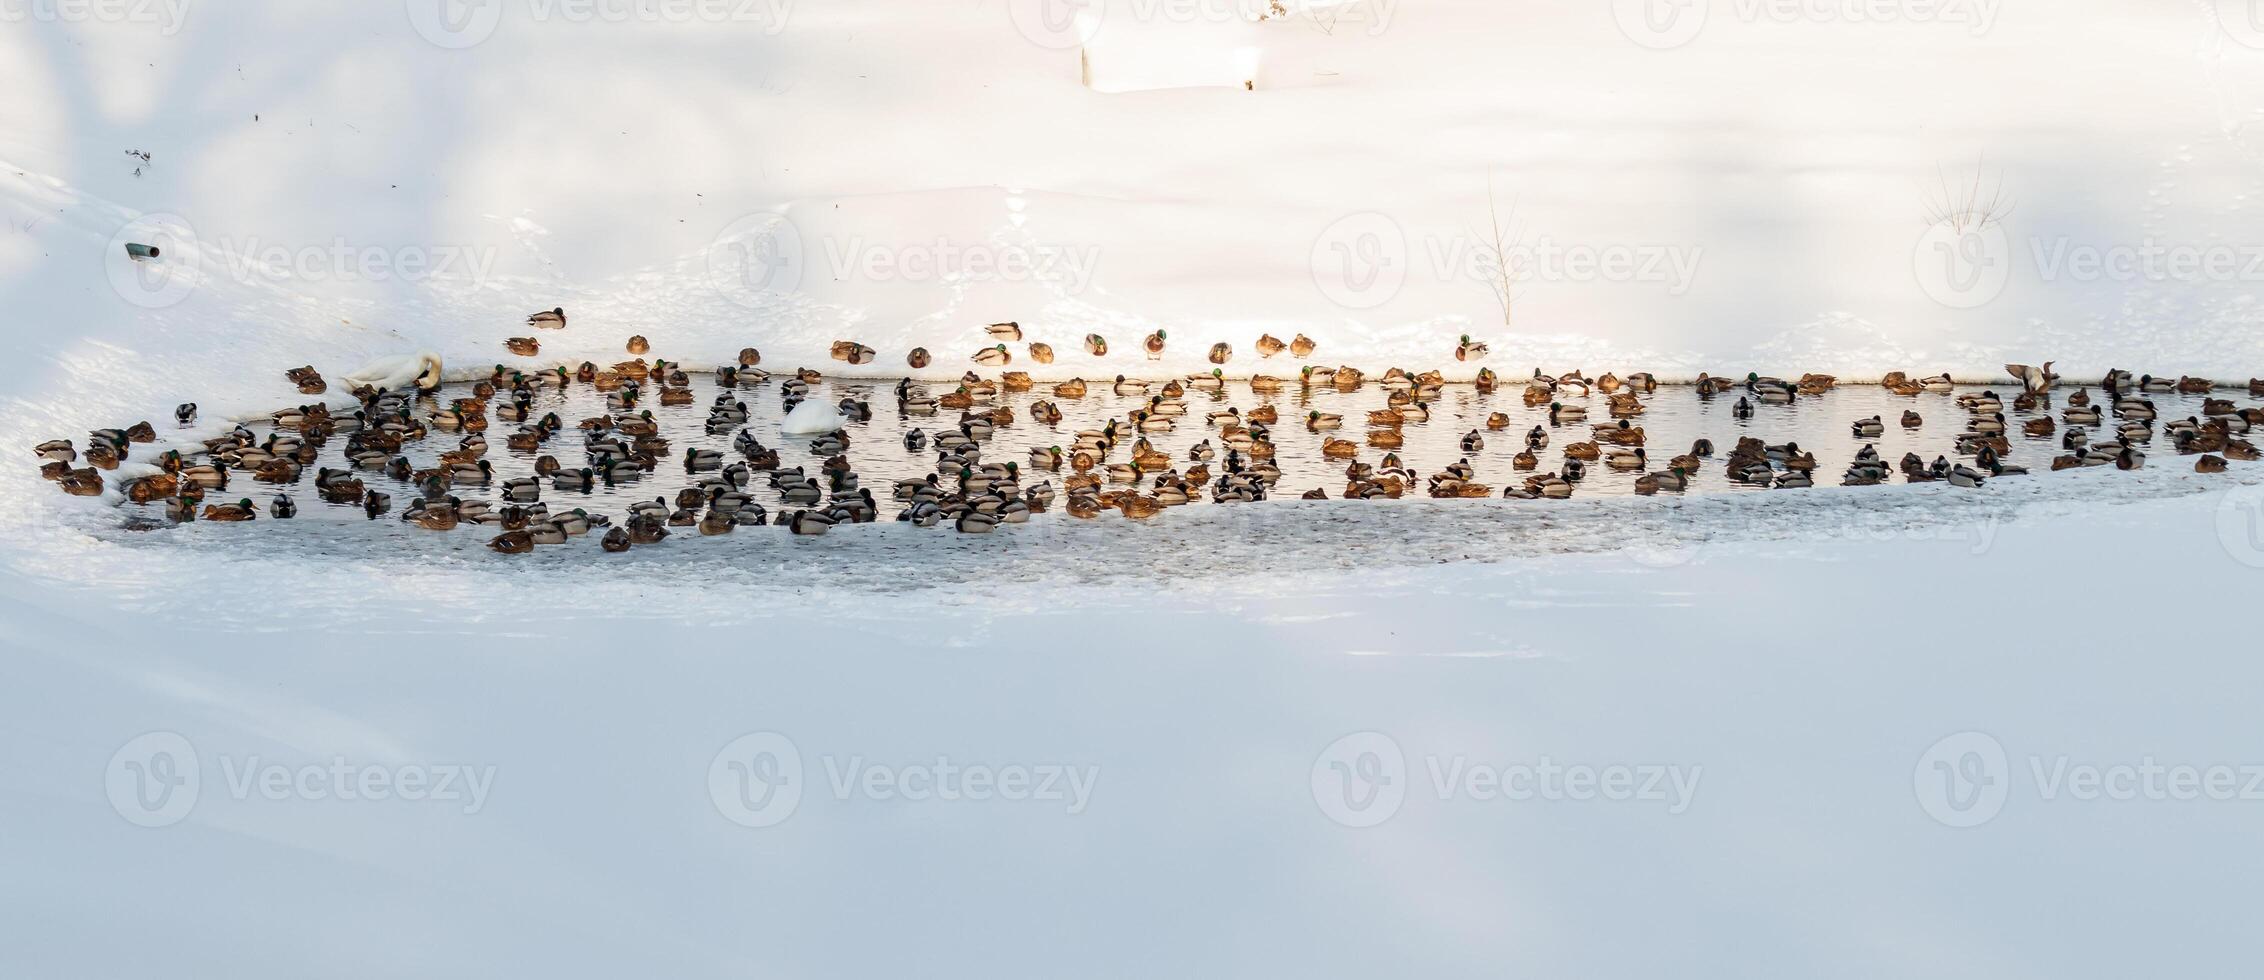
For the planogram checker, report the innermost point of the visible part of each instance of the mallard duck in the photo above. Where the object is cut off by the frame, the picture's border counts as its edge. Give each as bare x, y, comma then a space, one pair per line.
1621, 434
1302, 346
550, 319
647, 530
1096, 345
523, 346
1138, 507
1154, 346
433, 517
1009, 330
808, 523
1469, 350
993, 356
1621, 459
1220, 353
1563, 414
241, 510
976, 522
1870, 428
918, 358
2209, 464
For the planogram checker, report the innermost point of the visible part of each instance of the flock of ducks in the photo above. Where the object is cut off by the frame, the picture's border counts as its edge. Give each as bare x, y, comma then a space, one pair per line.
1115, 466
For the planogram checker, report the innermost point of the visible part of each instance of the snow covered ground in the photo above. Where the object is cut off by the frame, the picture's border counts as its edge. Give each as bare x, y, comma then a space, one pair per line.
1759, 197
1800, 692
1872, 732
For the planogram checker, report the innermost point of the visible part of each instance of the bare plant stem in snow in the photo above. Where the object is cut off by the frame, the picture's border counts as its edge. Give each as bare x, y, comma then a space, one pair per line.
1967, 206
1502, 238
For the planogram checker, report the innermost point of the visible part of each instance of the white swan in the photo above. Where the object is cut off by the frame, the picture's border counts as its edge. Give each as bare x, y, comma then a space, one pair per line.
813, 416
396, 372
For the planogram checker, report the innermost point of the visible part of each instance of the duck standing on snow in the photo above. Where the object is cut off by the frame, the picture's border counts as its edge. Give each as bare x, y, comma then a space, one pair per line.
1096, 345
550, 319
1154, 346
